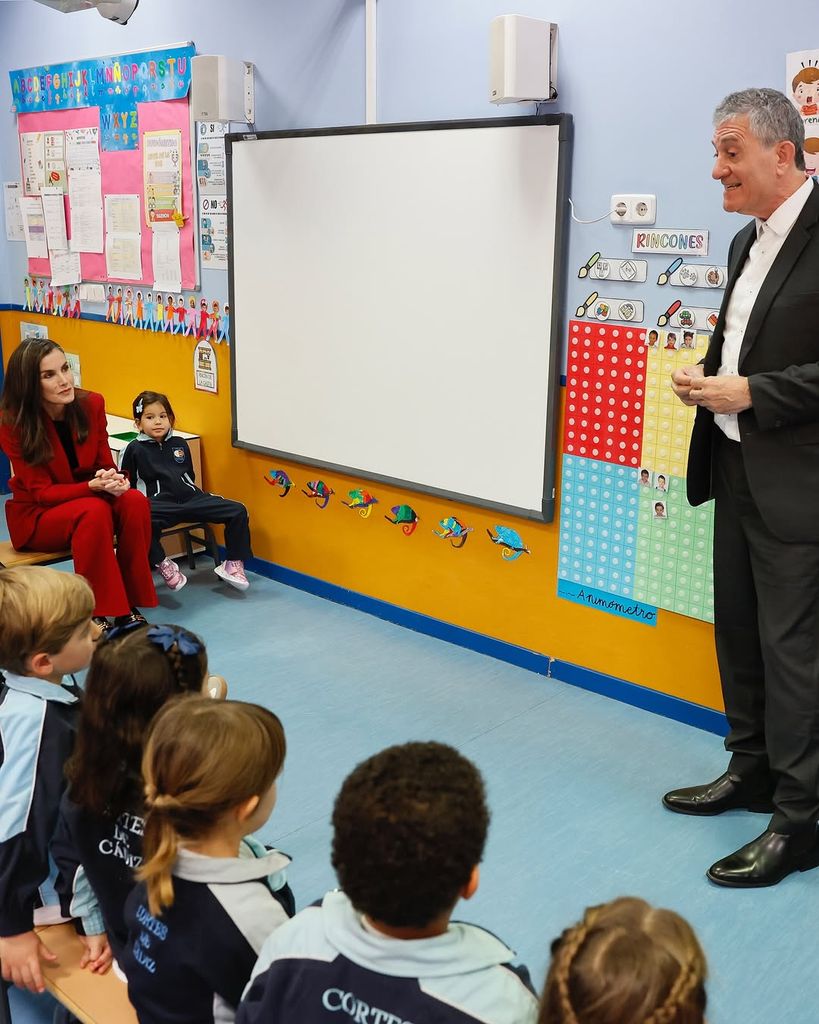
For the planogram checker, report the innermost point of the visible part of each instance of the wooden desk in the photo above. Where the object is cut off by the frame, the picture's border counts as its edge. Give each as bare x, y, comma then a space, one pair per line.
119, 425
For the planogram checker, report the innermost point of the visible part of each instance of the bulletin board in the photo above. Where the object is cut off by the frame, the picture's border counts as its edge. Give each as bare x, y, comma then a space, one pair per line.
398, 295
121, 157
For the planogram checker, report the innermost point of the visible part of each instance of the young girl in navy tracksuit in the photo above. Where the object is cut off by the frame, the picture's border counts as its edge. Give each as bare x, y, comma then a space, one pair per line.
209, 894
160, 464
98, 841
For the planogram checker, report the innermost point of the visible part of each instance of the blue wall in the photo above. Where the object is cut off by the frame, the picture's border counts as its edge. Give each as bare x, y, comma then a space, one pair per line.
641, 79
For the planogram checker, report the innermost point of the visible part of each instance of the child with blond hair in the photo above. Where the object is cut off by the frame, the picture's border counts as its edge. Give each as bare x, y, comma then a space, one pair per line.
209, 893
46, 633
625, 962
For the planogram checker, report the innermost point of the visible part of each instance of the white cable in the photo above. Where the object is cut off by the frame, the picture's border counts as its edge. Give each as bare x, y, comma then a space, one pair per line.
596, 220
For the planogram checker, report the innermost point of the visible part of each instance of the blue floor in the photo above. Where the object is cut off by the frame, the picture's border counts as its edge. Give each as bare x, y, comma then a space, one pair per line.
574, 783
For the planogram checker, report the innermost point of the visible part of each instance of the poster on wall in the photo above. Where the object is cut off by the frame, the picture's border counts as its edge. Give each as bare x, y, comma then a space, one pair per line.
205, 369
115, 84
211, 167
34, 227
162, 172
84, 189
123, 238
802, 85
12, 191
213, 232
32, 155
54, 149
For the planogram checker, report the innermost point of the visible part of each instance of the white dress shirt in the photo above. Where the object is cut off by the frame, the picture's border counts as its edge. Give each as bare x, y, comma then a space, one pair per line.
770, 237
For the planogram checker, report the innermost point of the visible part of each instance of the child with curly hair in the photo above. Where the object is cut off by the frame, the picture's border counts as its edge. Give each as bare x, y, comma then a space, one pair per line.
409, 828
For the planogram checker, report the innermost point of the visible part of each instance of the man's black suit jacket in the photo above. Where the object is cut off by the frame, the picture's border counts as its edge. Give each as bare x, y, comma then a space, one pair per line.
780, 357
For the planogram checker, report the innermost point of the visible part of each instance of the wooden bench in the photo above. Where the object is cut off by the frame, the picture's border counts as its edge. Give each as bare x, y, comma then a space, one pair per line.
91, 998
10, 556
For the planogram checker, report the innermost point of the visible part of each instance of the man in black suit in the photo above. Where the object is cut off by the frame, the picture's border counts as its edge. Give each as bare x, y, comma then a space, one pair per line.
755, 450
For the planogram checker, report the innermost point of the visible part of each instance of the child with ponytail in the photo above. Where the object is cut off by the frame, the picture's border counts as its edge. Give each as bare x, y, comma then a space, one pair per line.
626, 962
98, 843
209, 894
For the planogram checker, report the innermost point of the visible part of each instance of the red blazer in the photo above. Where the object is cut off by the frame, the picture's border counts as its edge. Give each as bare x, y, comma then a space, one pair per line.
36, 488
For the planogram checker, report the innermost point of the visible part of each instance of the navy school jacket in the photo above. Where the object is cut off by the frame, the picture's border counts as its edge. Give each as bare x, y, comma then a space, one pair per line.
38, 722
103, 853
190, 964
162, 469
327, 966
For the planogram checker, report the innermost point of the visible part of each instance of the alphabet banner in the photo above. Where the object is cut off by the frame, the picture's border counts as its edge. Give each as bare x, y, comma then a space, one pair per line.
114, 84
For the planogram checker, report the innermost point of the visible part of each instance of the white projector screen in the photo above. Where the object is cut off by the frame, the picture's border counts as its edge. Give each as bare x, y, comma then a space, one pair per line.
395, 296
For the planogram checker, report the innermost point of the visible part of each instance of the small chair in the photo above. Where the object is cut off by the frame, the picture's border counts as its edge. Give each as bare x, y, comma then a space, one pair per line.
205, 539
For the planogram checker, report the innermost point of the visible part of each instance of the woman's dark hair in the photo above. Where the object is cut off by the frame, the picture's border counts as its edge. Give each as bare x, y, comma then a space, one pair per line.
21, 403
131, 677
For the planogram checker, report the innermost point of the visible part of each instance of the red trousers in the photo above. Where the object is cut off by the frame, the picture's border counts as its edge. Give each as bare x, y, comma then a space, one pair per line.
120, 579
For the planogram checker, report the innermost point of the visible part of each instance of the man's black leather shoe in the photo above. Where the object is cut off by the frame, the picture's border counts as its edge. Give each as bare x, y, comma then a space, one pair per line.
766, 860
727, 793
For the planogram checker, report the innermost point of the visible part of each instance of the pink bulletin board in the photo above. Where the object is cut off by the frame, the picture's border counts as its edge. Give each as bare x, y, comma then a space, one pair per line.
122, 174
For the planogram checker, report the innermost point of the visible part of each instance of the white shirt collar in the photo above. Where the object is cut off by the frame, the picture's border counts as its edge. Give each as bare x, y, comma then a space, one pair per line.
784, 216
39, 688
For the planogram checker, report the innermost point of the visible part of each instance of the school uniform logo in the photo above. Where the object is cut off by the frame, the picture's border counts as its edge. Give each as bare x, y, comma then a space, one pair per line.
179, 454
335, 1000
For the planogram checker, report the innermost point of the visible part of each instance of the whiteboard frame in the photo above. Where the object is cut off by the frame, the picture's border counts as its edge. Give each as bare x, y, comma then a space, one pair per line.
560, 256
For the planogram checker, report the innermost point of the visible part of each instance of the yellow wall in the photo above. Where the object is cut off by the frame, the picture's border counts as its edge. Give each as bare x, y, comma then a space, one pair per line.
471, 587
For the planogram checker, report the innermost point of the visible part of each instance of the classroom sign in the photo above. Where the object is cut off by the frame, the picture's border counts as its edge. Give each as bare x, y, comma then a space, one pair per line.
685, 241
114, 84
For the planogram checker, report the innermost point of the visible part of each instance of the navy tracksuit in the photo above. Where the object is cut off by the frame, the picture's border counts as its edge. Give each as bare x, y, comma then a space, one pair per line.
164, 471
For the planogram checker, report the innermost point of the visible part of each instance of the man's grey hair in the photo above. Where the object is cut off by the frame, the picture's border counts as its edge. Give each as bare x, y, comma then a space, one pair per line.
771, 116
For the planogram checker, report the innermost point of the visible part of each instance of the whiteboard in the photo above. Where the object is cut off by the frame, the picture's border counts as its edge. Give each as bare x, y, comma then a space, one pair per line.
395, 296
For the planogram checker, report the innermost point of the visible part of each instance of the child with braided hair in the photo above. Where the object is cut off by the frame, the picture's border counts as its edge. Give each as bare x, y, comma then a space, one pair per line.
98, 841
626, 962
209, 893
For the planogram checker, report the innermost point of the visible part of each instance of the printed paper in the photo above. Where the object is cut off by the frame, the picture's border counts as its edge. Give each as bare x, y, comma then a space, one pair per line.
12, 192
54, 212
165, 257
34, 228
32, 153
162, 172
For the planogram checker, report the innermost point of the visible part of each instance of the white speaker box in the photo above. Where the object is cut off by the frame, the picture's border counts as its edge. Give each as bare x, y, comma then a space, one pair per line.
522, 59
221, 89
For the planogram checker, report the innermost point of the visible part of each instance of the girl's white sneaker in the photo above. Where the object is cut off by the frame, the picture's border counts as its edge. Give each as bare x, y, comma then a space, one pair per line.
232, 571
171, 574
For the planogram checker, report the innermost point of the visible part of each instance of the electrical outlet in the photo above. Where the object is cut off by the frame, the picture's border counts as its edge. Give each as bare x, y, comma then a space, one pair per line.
629, 209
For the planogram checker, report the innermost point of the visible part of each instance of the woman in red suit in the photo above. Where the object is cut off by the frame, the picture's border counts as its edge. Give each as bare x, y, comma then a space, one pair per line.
66, 490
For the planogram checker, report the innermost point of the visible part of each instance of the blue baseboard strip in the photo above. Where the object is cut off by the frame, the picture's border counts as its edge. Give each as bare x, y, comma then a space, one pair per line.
575, 675
641, 697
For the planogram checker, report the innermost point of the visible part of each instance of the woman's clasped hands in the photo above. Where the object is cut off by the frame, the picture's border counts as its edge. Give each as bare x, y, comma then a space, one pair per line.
110, 481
